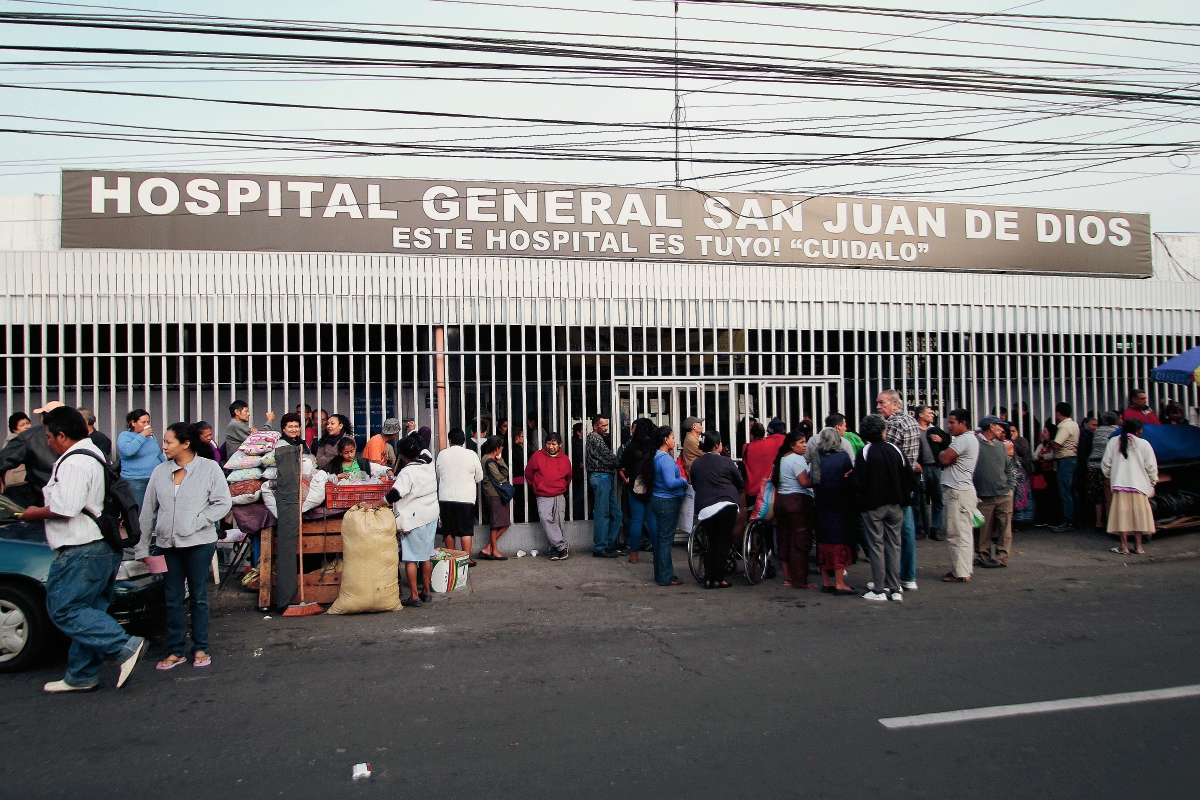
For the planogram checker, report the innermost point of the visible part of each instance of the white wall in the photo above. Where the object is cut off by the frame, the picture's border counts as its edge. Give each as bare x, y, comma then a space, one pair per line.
29, 222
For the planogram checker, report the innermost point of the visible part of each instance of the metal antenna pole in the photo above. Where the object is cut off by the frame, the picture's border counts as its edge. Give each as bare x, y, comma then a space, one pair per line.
675, 115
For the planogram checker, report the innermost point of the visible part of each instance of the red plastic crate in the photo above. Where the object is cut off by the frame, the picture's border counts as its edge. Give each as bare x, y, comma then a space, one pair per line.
352, 495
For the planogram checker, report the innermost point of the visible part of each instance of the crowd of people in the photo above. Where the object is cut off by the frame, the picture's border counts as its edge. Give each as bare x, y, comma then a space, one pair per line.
877, 491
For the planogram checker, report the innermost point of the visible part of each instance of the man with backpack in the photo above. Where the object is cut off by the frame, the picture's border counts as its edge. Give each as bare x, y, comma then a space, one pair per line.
79, 587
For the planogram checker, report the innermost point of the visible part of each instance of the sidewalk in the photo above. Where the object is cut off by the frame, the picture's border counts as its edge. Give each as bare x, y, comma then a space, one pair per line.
1089, 548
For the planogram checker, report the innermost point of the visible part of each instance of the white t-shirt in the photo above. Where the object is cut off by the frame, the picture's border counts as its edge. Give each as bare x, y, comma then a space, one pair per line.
959, 475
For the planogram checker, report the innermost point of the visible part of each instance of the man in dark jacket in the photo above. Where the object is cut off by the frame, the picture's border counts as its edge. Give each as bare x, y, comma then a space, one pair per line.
885, 485
931, 515
31, 449
718, 485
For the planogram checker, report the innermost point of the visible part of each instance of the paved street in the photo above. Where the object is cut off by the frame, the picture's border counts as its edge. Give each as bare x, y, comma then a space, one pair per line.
583, 679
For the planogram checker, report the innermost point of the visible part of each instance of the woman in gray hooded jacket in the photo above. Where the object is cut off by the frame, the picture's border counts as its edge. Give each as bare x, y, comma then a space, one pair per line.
185, 499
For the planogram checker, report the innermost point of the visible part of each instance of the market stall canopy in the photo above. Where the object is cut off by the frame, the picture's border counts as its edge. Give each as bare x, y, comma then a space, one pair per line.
1182, 369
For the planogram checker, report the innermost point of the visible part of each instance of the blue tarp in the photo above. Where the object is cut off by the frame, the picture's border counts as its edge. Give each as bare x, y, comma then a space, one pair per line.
1173, 442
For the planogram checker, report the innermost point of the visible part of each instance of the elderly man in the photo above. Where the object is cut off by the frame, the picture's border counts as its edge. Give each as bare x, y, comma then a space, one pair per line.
994, 483
904, 432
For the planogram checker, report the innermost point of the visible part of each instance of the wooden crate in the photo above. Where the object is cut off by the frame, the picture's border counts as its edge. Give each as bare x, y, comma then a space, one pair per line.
321, 537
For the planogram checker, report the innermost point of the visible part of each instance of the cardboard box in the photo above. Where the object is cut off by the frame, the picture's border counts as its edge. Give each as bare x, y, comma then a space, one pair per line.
449, 570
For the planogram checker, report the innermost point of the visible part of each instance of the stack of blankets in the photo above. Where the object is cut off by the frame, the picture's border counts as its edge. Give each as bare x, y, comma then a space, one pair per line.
252, 465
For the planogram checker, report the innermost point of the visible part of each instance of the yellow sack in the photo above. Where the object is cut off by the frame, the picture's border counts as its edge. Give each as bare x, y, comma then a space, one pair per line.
370, 562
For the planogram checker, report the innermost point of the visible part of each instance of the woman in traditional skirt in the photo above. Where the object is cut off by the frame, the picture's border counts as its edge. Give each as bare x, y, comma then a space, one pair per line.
831, 475
1132, 470
1022, 468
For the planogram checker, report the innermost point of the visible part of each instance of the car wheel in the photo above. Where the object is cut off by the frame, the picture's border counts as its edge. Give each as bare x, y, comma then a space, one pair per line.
25, 628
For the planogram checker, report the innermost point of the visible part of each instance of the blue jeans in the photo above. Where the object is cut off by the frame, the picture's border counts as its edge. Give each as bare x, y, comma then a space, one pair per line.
79, 590
1066, 488
190, 564
606, 523
932, 512
666, 516
639, 515
908, 547
139, 486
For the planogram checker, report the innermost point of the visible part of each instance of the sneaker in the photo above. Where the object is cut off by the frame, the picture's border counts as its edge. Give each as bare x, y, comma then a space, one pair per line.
897, 596
411, 602
55, 687
621, 550
604, 554
129, 663
875, 597
908, 586
1064, 528
560, 555
992, 563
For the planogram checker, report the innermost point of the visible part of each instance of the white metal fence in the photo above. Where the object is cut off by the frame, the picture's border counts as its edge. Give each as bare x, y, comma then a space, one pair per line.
457, 342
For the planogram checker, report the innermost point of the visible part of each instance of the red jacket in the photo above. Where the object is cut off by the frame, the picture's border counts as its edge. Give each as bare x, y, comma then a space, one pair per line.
759, 461
548, 476
1147, 417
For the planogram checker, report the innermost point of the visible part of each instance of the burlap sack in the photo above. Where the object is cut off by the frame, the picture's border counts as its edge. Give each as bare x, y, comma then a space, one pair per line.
370, 562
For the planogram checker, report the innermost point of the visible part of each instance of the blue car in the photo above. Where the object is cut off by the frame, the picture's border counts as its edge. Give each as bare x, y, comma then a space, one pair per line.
26, 633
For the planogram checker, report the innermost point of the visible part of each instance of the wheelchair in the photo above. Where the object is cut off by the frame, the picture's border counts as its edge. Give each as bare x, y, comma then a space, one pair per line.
753, 553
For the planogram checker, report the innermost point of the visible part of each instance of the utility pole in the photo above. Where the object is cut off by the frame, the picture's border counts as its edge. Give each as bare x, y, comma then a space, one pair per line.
675, 115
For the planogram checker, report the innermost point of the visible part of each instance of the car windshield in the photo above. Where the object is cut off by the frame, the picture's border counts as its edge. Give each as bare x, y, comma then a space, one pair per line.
23, 531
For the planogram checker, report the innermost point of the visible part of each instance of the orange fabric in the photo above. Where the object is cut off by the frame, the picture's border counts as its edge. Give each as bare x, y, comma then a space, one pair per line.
376, 450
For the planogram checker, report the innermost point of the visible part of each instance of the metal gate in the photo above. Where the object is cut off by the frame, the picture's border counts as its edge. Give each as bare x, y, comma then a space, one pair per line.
727, 406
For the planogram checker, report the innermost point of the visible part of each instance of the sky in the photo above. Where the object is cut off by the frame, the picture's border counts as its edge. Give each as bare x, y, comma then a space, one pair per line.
1004, 110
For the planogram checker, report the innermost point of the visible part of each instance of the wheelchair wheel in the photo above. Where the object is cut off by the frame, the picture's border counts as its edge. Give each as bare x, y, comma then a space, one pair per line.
697, 547
756, 551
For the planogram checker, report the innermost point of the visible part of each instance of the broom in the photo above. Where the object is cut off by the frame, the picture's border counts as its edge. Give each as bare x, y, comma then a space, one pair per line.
301, 609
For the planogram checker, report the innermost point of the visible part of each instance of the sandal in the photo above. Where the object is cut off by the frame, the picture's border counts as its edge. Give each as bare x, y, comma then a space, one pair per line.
471, 562
1118, 551
847, 590
201, 662
950, 577
487, 556
170, 662
1139, 552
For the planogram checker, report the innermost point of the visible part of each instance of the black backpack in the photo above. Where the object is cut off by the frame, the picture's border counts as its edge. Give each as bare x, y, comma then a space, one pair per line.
120, 507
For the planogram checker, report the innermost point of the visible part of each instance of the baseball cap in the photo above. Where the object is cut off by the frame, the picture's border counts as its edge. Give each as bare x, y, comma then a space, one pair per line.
53, 404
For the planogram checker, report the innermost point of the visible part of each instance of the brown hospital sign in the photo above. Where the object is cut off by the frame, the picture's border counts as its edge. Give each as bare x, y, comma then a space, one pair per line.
208, 211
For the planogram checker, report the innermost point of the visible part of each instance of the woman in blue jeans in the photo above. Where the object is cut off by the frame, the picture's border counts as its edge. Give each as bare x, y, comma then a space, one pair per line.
140, 452
185, 498
669, 490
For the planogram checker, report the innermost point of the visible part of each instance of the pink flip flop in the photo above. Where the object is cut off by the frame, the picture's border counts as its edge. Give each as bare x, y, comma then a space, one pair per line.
164, 667
198, 663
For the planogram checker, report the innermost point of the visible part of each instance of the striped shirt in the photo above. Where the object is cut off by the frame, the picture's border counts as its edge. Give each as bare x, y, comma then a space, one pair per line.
76, 484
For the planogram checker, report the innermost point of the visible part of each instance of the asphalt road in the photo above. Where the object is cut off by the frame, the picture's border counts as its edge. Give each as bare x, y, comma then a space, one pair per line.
581, 679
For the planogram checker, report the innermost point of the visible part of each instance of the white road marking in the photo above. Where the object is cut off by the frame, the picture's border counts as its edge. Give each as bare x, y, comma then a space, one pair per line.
992, 712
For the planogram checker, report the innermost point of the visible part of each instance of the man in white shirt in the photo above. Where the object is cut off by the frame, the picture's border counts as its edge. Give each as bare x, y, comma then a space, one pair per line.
459, 471
79, 587
958, 494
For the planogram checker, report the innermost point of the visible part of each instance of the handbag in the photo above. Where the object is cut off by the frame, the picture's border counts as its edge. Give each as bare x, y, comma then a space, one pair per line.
506, 490
764, 506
